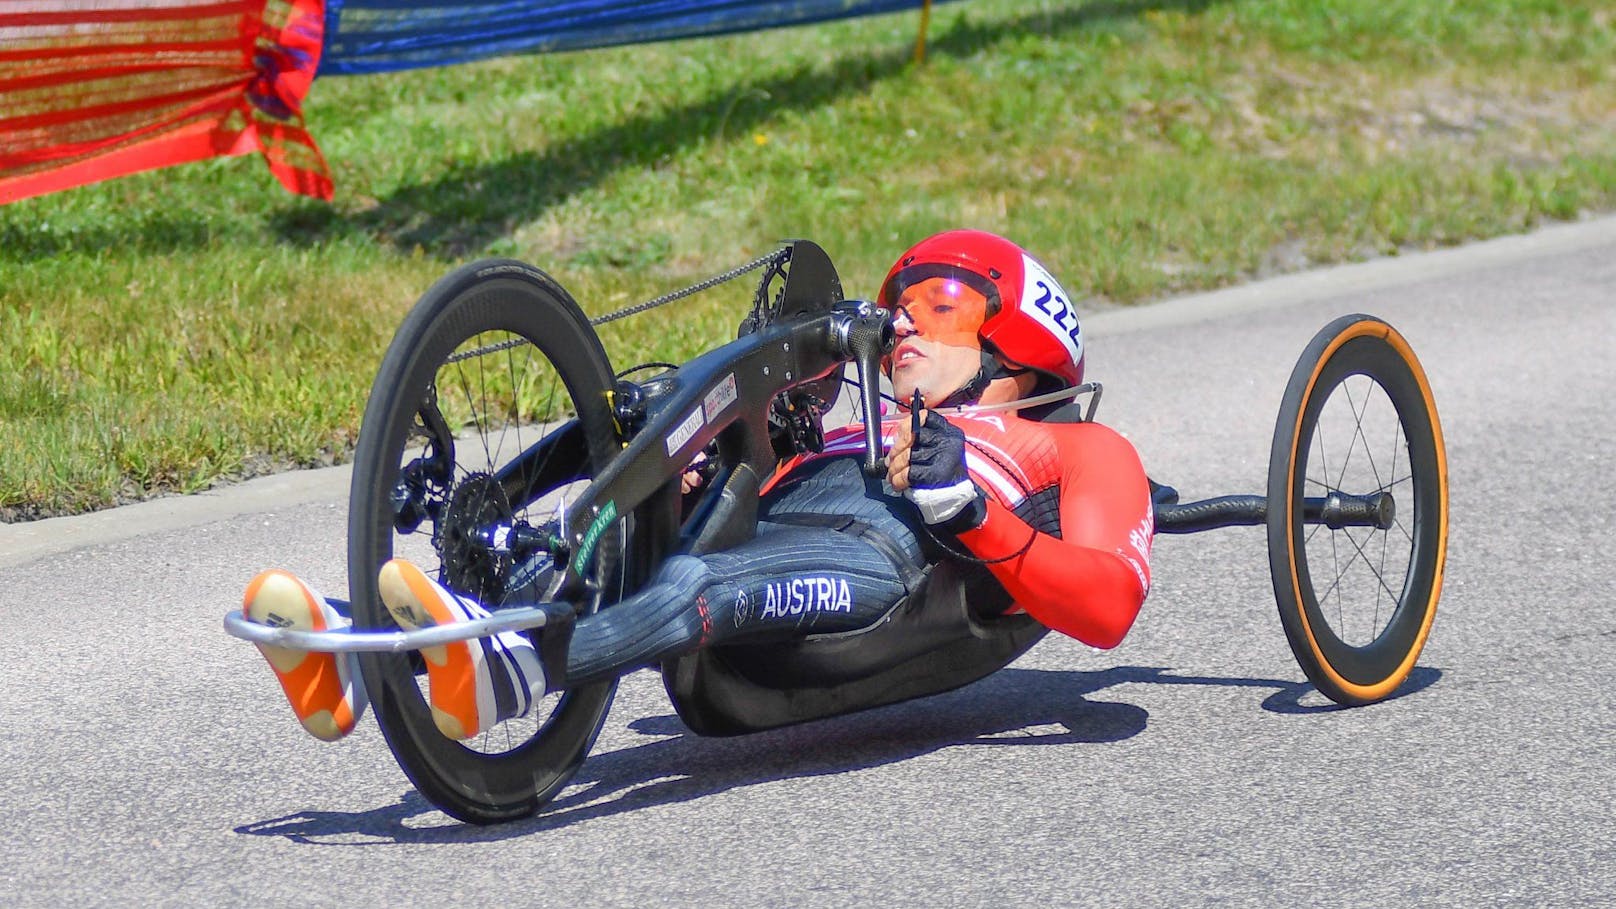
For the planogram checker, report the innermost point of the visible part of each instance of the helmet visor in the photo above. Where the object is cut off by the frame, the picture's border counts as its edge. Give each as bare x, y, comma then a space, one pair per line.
941, 308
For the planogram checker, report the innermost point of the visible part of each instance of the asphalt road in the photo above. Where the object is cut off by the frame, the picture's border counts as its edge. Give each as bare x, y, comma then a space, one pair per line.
149, 760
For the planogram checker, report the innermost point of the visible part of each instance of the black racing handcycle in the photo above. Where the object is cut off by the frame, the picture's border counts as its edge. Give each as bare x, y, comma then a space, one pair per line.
501, 451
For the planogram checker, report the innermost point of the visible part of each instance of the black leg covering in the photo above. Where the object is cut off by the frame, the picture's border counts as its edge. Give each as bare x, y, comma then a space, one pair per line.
787, 582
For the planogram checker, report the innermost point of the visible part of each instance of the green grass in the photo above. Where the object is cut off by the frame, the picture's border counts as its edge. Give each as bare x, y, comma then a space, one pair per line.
173, 330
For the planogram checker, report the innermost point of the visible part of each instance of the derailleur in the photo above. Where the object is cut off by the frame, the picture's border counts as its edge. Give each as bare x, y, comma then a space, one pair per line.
796, 423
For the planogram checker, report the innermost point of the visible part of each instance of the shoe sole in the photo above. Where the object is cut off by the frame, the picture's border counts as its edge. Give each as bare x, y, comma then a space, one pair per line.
312, 682
451, 669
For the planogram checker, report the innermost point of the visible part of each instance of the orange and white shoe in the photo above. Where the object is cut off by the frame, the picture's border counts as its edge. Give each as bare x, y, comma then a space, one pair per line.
472, 684
324, 689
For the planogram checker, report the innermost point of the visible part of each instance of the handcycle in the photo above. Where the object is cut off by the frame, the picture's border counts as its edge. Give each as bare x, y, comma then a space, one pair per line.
500, 449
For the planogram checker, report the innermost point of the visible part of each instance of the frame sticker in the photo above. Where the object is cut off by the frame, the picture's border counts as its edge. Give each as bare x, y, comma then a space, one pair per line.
685, 431
586, 546
722, 396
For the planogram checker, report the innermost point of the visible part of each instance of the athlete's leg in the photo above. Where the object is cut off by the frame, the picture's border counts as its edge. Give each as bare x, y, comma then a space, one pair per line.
787, 582
324, 689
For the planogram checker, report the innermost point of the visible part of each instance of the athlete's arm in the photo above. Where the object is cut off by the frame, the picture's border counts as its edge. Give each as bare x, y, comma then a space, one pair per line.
1090, 582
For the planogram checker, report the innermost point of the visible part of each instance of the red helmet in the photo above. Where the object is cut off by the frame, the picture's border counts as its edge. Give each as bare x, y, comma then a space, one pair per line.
1030, 319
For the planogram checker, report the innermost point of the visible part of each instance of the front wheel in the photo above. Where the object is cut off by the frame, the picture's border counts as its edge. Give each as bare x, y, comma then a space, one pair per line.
490, 411
1357, 421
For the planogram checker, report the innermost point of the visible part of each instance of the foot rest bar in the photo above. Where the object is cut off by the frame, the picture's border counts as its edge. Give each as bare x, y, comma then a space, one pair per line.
345, 640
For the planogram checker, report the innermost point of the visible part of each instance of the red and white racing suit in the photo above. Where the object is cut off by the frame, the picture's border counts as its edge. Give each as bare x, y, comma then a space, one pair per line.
1083, 481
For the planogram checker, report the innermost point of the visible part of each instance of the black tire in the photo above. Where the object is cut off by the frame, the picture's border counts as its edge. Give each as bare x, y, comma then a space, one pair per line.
1361, 366
514, 769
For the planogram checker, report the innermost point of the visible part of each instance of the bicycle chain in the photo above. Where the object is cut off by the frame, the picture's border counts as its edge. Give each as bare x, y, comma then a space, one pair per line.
775, 258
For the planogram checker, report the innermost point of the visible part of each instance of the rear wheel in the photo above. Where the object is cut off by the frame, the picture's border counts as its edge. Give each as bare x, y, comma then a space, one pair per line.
491, 409
1357, 420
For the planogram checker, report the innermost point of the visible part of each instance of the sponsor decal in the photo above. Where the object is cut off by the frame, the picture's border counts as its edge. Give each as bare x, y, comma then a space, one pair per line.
1140, 536
685, 431
722, 396
1041, 298
743, 608
1140, 539
586, 547
800, 596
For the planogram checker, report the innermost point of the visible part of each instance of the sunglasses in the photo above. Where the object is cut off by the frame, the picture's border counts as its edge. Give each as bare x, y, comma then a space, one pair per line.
941, 309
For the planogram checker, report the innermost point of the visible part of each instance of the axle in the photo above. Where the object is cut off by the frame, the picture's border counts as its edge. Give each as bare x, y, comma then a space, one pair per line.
1336, 510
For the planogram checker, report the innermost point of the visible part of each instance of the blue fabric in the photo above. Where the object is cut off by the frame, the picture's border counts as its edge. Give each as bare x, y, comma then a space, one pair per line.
786, 582
372, 36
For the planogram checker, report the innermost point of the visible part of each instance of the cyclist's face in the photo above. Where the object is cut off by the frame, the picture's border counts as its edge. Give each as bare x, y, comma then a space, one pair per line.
937, 351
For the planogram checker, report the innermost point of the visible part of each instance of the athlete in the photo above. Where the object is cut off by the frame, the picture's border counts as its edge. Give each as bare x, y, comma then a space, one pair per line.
1051, 518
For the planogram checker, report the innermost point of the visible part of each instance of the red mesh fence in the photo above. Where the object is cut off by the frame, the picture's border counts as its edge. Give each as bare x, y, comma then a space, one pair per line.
95, 89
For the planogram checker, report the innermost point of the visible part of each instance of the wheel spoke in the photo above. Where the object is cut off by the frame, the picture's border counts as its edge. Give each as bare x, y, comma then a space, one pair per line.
1387, 487
1358, 431
1324, 462
1352, 443
1341, 571
486, 430
476, 415
549, 405
516, 409
1385, 538
1368, 564
1335, 558
1380, 572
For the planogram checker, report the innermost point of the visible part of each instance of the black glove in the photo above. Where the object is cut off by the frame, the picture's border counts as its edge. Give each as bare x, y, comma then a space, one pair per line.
938, 481
937, 454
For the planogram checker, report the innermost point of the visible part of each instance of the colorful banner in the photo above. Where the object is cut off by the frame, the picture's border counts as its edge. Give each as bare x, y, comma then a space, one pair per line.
372, 36
95, 89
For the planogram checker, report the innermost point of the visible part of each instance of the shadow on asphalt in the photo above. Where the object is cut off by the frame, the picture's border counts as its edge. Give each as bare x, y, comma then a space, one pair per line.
1012, 708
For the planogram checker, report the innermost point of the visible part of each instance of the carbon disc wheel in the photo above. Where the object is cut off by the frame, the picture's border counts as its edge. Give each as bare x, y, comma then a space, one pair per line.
1357, 600
491, 368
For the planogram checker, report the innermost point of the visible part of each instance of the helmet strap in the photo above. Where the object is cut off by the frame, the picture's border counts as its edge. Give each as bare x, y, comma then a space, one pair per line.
971, 391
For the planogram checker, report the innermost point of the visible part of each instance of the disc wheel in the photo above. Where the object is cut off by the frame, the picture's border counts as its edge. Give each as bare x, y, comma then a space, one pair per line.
1357, 419
494, 359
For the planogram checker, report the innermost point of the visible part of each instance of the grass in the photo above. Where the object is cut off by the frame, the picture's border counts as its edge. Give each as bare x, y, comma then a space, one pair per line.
170, 331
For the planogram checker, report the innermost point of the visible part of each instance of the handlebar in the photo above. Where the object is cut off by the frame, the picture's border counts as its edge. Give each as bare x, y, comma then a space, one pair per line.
862, 332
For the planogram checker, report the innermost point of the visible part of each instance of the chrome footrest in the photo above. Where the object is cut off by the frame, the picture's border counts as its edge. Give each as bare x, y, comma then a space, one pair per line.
346, 640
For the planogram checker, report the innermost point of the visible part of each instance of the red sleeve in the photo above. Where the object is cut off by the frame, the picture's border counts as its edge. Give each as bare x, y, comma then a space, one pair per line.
1089, 583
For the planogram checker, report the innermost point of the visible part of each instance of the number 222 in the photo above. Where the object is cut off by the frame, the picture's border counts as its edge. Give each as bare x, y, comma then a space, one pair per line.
1064, 317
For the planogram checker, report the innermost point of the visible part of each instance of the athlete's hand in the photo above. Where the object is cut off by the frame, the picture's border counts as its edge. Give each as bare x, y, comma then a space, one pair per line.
927, 464
927, 453
695, 474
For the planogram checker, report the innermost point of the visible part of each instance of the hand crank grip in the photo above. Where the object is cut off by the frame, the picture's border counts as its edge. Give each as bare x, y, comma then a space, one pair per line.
862, 332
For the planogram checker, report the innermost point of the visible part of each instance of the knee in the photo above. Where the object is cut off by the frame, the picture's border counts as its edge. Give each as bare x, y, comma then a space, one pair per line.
684, 572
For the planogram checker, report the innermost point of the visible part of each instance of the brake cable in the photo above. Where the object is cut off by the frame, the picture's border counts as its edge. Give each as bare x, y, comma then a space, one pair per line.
775, 259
